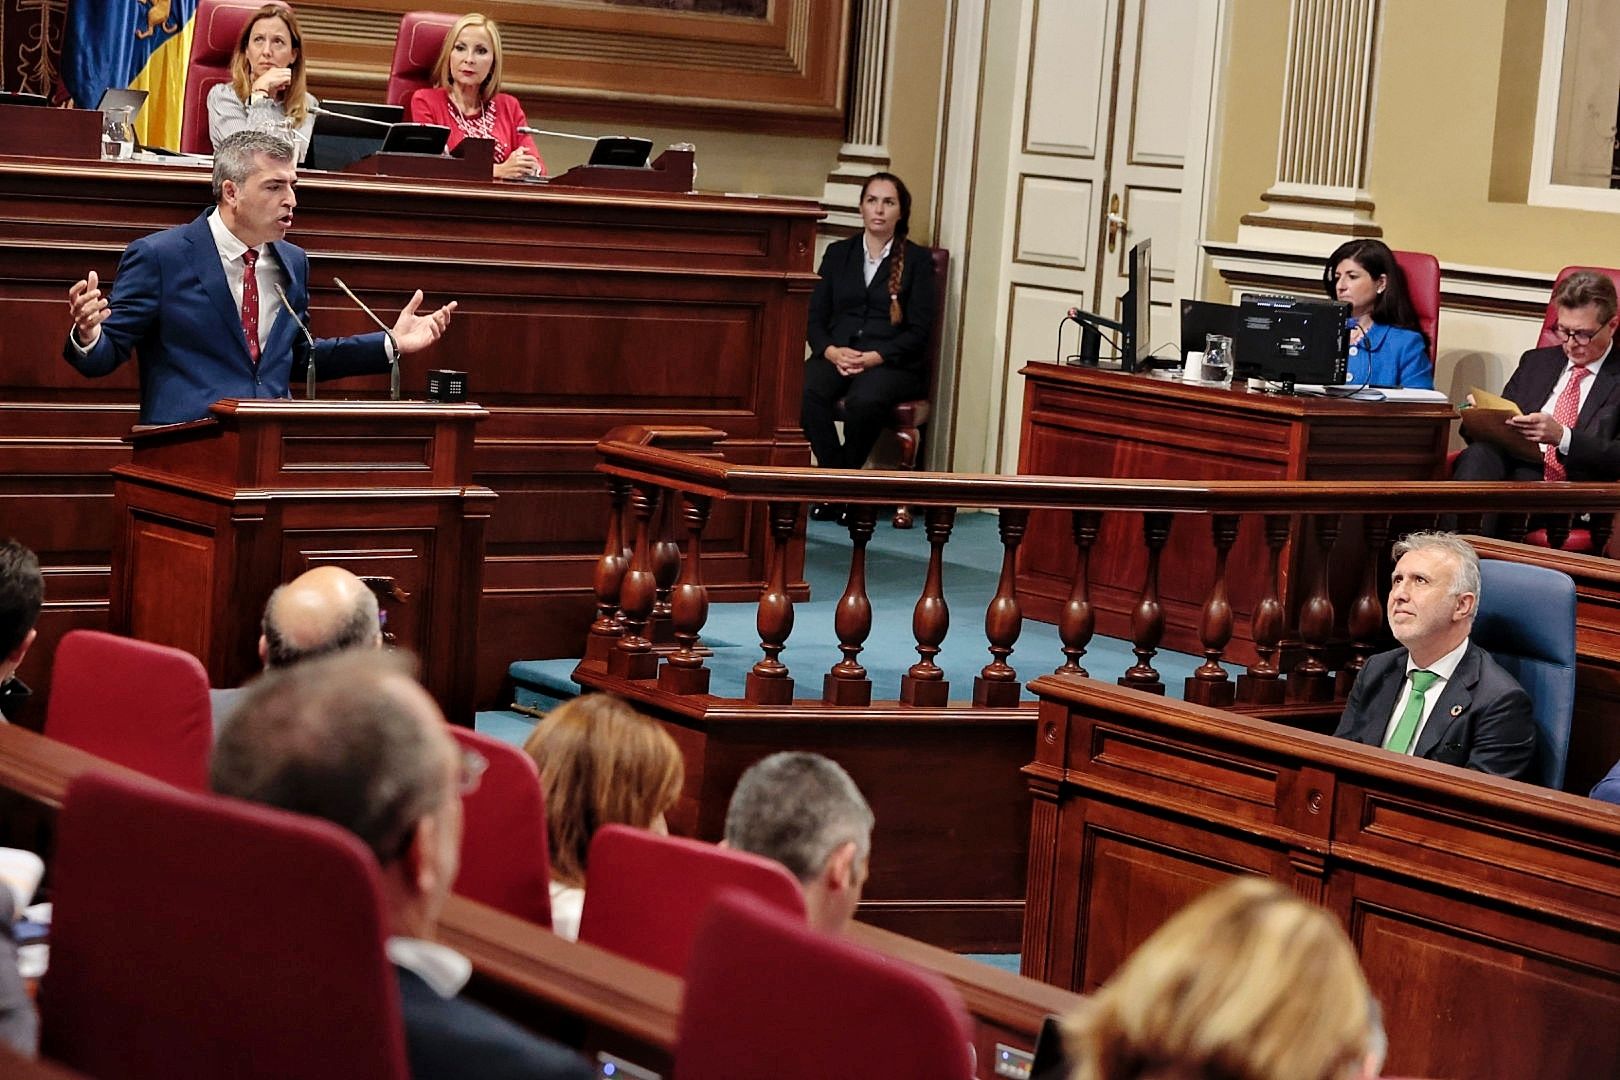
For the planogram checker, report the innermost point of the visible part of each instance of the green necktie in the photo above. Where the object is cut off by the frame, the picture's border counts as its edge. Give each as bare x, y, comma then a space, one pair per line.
1401, 739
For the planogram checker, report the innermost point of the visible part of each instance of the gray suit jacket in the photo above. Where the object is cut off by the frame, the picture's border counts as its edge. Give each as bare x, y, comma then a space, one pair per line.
1481, 721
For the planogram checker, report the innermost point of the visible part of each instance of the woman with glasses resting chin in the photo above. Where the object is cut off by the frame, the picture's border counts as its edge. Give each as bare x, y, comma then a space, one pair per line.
1387, 346
266, 91
465, 97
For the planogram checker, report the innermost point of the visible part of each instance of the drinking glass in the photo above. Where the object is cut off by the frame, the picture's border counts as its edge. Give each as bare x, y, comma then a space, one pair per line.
1217, 366
117, 134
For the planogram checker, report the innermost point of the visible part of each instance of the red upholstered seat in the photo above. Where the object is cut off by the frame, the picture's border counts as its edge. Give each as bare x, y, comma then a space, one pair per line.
218, 24
139, 704
505, 861
416, 50
768, 996
200, 936
645, 894
1422, 273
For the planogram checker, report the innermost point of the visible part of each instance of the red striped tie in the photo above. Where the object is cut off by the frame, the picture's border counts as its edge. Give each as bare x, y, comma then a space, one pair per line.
1566, 410
250, 304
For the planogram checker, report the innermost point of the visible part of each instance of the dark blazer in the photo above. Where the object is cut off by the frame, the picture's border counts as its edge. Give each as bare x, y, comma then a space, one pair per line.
844, 310
452, 1039
1481, 721
1608, 788
1594, 449
172, 306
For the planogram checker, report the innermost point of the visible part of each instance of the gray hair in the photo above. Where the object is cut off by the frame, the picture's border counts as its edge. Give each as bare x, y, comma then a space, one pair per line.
798, 808
336, 739
237, 156
362, 627
1466, 578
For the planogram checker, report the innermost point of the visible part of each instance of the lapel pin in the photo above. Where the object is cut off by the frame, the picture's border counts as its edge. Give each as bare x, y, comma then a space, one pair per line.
1456, 710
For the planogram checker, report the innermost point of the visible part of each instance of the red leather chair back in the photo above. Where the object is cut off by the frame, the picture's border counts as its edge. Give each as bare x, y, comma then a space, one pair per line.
646, 894
504, 857
139, 704
200, 936
768, 996
1422, 273
416, 50
1550, 320
213, 40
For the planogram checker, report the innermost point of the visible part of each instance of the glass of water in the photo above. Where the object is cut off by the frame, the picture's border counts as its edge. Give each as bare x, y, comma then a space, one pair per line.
117, 134
1217, 366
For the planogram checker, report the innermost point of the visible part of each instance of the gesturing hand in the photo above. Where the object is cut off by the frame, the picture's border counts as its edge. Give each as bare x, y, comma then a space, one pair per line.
90, 309
413, 332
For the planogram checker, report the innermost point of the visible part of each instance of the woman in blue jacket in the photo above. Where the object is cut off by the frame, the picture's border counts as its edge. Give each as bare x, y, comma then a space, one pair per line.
1387, 347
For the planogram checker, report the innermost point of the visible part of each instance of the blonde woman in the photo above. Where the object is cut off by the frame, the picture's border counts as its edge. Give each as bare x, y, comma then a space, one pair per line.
601, 763
1248, 981
267, 88
466, 98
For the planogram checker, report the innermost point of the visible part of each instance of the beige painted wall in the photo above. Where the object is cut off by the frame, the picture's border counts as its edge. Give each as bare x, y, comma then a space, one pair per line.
1449, 160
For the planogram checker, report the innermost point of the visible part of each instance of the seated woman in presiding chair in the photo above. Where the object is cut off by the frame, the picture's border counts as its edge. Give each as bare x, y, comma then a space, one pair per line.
870, 317
466, 98
601, 763
1387, 346
267, 88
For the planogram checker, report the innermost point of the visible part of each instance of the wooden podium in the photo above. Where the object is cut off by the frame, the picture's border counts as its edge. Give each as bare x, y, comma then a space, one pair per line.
214, 514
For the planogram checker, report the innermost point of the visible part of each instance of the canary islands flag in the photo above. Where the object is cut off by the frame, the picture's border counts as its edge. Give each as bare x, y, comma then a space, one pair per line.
140, 44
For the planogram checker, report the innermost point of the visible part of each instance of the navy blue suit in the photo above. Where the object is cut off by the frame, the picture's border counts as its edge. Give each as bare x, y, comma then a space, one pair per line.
445, 1039
172, 306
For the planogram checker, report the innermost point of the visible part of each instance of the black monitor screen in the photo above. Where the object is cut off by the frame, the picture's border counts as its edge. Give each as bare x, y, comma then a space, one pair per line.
1141, 322
1290, 339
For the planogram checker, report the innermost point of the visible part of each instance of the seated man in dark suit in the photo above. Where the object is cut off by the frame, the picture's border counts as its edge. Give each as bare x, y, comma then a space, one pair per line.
353, 739
22, 594
199, 302
1440, 696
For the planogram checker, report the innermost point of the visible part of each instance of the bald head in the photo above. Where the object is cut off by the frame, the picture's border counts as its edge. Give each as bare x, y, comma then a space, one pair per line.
324, 610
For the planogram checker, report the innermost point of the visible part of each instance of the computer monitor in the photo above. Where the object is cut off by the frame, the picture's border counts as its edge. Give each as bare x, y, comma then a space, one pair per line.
1136, 307
622, 151
346, 131
1292, 339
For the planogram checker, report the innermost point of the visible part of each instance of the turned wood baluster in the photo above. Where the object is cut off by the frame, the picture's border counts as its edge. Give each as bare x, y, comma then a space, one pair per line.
1261, 684
1147, 620
924, 683
683, 672
1602, 531
1514, 527
1078, 621
1209, 685
846, 683
997, 685
1558, 530
633, 658
666, 565
1309, 681
769, 683
1366, 619
610, 567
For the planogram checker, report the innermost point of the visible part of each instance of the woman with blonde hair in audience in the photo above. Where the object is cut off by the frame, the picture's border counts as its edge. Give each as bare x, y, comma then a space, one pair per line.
601, 763
267, 91
466, 98
1248, 982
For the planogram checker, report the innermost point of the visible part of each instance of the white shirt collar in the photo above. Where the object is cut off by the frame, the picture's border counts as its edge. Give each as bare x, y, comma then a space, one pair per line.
1445, 667
884, 254
1592, 368
230, 248
441, 967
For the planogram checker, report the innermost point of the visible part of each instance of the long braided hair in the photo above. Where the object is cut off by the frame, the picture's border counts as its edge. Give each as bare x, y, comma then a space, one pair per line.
897, 261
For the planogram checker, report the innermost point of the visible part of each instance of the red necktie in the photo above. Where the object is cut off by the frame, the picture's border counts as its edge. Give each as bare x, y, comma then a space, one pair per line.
1566, 410
250, 304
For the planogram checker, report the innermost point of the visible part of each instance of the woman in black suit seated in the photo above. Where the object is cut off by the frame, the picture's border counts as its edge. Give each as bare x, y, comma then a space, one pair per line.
870, 317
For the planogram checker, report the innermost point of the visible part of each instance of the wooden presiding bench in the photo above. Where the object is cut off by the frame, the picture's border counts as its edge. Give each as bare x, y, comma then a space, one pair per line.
1486, 912
583, 996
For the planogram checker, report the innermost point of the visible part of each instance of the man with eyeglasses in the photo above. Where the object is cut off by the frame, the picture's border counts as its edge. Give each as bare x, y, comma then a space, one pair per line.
1569, 394
354, 739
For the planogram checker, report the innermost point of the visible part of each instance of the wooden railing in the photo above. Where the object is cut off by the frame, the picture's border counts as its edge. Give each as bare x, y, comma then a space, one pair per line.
650, 588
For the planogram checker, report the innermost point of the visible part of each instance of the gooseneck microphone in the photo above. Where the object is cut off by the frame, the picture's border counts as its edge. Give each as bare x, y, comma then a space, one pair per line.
309, 368
393, 346
318, 111
556, 134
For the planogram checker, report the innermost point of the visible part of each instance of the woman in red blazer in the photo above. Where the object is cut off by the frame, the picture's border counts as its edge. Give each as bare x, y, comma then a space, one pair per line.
465, 97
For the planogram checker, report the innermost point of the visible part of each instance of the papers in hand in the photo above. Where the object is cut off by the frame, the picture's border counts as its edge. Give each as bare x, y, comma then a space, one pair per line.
1484, 399
1487, 421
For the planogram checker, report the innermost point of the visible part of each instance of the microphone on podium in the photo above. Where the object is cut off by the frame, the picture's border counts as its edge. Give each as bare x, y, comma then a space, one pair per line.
526, 130
393, 351
319, 111
309, 368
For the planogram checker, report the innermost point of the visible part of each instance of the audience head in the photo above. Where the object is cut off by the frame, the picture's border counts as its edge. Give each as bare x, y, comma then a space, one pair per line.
470, 61
353, 739
1248, 981
22, 592
1585, 303
886, 212
601, 763
1433, 594
1365, 275
805, 812
321, 611
272, 39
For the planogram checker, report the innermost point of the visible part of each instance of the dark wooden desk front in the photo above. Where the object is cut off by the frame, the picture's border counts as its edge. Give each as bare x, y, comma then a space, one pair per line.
579, 311
1086, 422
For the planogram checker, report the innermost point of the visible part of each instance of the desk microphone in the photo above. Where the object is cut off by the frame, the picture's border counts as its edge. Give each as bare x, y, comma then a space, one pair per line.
318, 111
309, 369
561, 134
393, 346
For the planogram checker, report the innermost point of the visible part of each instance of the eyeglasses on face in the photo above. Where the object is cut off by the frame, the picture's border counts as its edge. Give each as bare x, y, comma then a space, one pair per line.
1579, 337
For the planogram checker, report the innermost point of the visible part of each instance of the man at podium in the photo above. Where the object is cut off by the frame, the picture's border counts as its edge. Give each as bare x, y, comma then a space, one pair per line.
202, 303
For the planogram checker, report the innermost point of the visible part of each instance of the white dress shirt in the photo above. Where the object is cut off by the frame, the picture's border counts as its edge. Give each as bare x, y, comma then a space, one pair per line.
441, 967
1445, 668
869, 268
1585, 389
267, 272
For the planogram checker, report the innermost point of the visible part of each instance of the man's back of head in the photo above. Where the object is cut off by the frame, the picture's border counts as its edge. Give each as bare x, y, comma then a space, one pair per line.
321, 611
22, 593
805, 812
